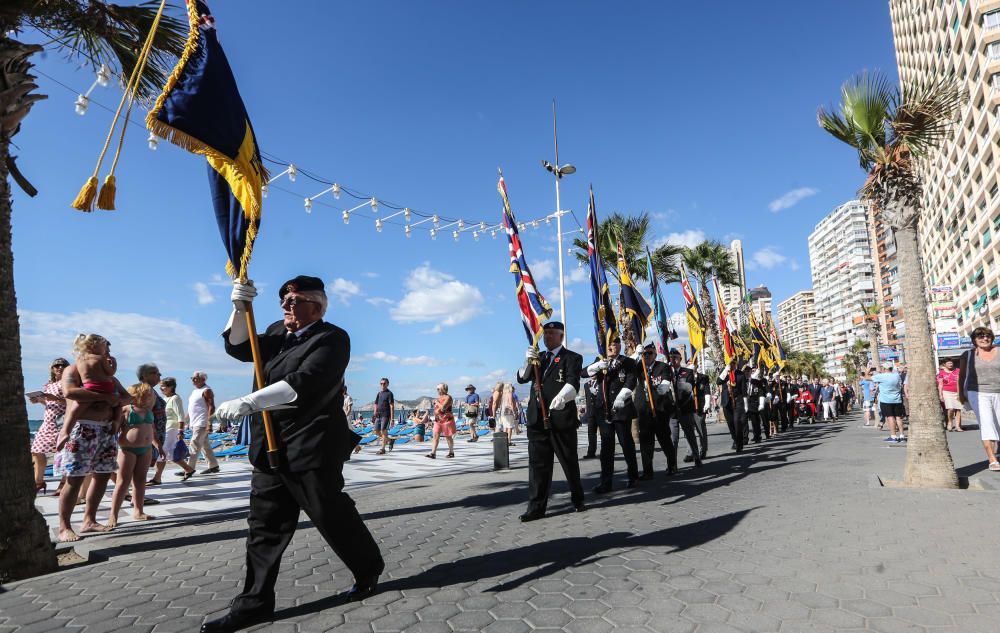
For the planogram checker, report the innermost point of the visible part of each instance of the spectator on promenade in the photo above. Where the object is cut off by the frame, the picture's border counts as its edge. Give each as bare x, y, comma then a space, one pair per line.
979, 384
826, 398
868, 403
471, 410
420, 424
444, 422
348, 404
589, 421
383, 414
44, 443
890, 396
947, 380
174, 446
150, 374
136, 434
201, 408
508, 412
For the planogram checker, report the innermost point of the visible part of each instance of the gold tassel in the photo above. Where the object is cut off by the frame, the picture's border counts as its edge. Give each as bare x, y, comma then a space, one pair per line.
85, 199
106, 199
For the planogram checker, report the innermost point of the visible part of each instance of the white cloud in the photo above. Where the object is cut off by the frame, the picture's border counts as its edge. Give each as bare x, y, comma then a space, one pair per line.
343, 290
767, 258
689, 238
791, 198
421, 361
543, 269
552, 296
135, 339
678, 320
370, 275
379, 301
578, 275
586, 348
436, 297
203, 293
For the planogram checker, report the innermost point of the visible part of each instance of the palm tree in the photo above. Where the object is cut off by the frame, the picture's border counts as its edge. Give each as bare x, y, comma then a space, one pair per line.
892, 129
871, 322
808, 364
708, 258
855, 360
100, 33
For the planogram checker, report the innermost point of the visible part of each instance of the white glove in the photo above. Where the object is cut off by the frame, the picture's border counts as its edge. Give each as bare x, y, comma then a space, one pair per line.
760, 404
637, 356
243, 295
725, 374
623, 396
565, 395
600, 365
790, 398
531, 355
663, 388
278, 393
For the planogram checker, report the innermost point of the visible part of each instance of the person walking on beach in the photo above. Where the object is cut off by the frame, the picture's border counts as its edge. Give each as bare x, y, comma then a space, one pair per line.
149, 374
444, 422
44, 443
382, 416
554, 437
979, 385
947, 380
304, 359
471, 410
201, 408
175, 428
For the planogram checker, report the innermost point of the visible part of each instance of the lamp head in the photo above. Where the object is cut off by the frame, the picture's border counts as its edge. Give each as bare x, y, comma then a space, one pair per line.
567, 169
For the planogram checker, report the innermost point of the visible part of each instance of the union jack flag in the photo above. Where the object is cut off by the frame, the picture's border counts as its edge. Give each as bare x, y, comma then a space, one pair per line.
534, 308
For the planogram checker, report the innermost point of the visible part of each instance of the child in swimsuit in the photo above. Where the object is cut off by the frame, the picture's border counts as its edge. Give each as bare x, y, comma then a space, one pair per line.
97, 373
135, 437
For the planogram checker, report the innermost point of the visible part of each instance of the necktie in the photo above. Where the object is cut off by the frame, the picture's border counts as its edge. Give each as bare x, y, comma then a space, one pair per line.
546, 359
289, 342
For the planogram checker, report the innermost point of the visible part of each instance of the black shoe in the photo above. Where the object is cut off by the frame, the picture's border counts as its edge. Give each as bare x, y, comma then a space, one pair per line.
579, 507
363, 588
236, 620
531, 516
210, 471
602, 489
734, 446
645, 476
688, 458
704, 454
671, 470
187, 476
697, 463
631, 484
179, 473
589, 456
153, 482
149, 502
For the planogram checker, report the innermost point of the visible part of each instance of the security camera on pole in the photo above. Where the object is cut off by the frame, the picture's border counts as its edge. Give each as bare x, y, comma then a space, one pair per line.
559, 172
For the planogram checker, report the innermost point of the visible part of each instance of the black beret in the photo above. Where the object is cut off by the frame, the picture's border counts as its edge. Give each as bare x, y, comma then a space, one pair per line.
302, 283
554, 325
674, 352
649, 346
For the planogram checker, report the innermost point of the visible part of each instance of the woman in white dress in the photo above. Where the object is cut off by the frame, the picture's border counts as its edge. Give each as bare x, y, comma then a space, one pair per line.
508, 413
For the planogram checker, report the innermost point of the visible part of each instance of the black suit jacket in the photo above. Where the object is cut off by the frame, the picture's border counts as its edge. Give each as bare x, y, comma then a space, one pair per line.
314, 434
621, 374
704, 392
658, 372
739, 390
564, 369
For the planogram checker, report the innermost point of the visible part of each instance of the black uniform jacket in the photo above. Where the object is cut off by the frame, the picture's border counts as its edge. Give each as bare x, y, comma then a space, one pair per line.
314, 433
564, 368
659, 372
739, 390
704, 392
621, 373
685, 382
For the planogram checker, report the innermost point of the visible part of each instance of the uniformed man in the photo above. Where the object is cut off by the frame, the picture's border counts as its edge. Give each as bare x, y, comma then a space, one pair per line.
304, 360
609, 400
733, 382
555, 436
755, 400
654, 420
684, 383
791, 393
702, 396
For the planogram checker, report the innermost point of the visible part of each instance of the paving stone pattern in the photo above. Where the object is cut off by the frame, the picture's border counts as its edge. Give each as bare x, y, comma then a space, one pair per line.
788, 537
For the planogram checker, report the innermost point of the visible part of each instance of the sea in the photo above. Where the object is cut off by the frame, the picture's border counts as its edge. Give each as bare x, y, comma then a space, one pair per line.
34, 425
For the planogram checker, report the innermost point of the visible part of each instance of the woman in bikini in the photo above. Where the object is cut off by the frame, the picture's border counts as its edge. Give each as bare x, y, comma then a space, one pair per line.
135, 440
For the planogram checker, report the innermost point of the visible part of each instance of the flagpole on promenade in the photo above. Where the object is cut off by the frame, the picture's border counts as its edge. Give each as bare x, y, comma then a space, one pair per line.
273, 459
559, 172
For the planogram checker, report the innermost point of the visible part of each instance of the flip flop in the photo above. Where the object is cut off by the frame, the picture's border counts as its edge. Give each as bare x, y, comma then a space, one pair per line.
995, 466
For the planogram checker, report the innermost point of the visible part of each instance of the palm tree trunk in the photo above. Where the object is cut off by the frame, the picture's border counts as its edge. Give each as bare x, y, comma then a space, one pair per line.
928, 460
715, 337
25, 547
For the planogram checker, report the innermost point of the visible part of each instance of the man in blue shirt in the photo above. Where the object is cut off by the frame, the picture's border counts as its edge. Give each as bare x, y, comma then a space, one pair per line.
866, 386
472, 411
890, 398
826, 397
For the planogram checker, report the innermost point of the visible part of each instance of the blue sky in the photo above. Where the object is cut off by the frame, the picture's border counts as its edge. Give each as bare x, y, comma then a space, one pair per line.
702, 114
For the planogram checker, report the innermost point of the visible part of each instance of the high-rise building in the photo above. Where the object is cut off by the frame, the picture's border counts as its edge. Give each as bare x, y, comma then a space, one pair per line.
840, 258
732, 296
961, 213
797, 322
760, 302
891, 327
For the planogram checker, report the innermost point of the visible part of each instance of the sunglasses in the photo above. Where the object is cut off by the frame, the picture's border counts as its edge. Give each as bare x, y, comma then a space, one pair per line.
291, 302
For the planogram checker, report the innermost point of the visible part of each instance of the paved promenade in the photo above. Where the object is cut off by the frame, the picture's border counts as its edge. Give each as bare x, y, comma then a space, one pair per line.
790, 536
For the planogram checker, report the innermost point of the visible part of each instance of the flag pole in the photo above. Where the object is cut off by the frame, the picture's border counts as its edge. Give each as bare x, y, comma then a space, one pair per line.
649, 387
538, 393
258, 371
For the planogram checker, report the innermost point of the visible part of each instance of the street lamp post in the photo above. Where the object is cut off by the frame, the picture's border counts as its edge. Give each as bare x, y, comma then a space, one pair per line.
559, 171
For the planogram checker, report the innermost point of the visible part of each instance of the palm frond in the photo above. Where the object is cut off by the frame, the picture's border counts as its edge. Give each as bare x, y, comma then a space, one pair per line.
926, 114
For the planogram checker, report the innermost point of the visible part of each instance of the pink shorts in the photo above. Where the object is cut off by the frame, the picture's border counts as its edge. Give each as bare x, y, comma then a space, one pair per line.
445, 429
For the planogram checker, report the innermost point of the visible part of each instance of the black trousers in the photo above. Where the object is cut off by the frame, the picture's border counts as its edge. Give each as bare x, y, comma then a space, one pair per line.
592, 430
754, 418
701, 429
730, 416
542, 447
623, 430
685, 422
275, 502
651, 430
738, 427
783, 417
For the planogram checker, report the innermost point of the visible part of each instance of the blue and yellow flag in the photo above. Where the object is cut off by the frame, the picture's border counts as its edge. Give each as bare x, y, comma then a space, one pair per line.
661, 316
201, 111
635, 306
605, 323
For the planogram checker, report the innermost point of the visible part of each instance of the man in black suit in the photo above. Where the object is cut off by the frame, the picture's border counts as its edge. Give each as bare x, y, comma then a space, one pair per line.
304, 359
654, 420
556, 437
735, 402
611, 390
701, 394
684, 384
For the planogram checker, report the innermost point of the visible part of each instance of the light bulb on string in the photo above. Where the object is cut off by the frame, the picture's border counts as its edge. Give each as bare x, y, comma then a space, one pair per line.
461, 224
534, 224
521, 226
374, 204
475, 235
493, 234
548, 220
407, 231
153, 141
435, 220
454, 234
434, 234
263, 190
406, 214
308, 205
347, 217
335, 190
482, 226
81, 104
292, 172
103, 76
378, 225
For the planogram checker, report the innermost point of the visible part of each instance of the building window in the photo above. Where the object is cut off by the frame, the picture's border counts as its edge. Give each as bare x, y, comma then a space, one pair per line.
993, 51
987, 238
991, 20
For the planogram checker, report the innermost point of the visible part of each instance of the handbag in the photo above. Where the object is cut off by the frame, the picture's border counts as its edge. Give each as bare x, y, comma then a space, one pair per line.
180, 452
471, 409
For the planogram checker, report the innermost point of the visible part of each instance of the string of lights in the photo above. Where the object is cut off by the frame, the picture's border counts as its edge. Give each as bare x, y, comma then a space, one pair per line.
368, 205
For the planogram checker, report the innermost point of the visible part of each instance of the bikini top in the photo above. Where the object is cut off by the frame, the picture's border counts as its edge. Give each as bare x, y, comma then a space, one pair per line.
134, 419
100, 387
